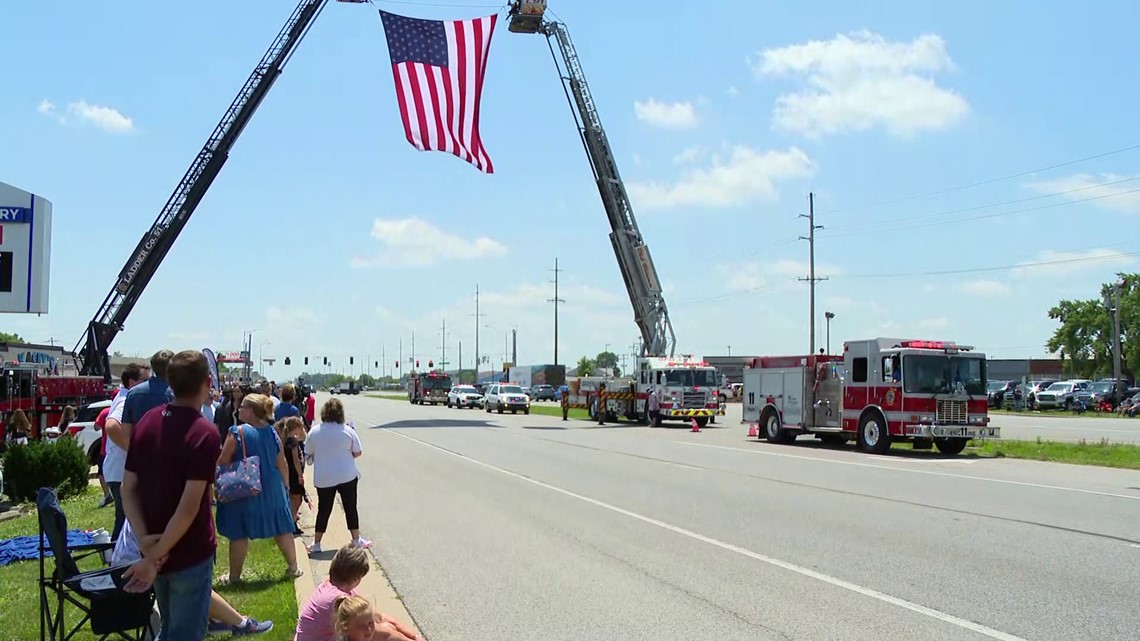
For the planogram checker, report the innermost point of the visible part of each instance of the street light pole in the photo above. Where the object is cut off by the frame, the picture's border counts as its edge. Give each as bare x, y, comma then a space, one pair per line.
828, 316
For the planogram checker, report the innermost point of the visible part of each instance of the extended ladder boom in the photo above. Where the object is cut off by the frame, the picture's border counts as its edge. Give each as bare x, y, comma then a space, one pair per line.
148, 255
637, 268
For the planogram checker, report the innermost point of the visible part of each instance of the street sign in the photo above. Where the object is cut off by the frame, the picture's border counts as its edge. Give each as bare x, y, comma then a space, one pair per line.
25, 251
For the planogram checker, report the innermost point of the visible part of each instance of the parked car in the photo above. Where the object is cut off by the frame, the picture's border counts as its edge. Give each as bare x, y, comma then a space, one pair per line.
1060, 394
82, 429
507, 397
462, 396
543, 392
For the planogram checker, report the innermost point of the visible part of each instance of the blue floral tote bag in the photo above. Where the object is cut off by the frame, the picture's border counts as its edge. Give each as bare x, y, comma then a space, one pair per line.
240, 479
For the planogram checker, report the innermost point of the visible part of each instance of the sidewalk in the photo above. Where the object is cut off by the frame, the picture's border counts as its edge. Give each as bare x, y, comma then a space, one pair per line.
375, 585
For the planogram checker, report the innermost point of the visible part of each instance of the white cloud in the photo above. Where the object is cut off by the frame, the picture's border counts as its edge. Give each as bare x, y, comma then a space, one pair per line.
934, 324
1063, 263
688, 155
860, 81
747, 175
985, 288
668, 115
733, 91
1110, 190
108, 119
413, 242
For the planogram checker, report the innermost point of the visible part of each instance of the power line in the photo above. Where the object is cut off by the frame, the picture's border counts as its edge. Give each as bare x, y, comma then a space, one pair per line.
985, 216
947, 272
999, 204
984, 182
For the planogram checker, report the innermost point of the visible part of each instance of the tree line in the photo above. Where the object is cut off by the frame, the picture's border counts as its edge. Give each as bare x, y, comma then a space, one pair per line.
1083, 340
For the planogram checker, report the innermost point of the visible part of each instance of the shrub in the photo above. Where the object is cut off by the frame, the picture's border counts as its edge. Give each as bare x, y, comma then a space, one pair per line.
62, 465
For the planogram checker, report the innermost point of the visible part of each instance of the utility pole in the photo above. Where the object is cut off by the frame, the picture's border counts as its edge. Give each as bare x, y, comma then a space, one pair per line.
460, 361
811, 279
1113, 305
384, 360
443, 346
399, 375
413, 348
477, 322
515, 346
556, 300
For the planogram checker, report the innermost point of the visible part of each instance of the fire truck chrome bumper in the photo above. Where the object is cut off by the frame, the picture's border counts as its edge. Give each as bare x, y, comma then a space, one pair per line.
952, 431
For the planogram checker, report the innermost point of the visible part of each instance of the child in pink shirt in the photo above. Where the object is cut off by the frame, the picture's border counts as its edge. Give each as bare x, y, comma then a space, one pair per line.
317, 619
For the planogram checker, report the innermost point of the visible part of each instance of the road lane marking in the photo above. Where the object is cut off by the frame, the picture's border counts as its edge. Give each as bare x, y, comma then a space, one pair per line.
791, 567
910, 471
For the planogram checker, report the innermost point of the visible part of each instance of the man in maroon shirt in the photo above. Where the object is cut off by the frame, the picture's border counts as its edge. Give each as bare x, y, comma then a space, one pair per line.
166, 496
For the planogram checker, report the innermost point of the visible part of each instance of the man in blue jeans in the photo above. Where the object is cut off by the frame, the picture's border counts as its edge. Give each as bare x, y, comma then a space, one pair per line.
166, 495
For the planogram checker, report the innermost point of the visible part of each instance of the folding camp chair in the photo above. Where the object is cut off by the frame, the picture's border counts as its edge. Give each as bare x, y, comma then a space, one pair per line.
98, 593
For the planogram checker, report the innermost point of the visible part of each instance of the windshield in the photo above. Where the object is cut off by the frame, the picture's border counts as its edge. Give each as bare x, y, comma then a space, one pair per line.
437, 382
465, 389
994, 386
938, 374
1100, 388
1059, 387
510, 389
691, 377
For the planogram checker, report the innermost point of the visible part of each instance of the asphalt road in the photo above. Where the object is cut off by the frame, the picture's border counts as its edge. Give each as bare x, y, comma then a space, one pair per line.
526, 527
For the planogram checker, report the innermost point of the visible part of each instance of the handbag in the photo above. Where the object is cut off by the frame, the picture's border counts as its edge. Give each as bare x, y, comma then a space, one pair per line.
240, 479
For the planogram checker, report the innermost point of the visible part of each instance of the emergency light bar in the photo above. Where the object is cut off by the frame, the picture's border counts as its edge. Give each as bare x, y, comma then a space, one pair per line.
946, 345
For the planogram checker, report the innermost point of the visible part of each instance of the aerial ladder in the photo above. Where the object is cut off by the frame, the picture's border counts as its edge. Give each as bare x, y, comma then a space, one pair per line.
152, 249
634, 260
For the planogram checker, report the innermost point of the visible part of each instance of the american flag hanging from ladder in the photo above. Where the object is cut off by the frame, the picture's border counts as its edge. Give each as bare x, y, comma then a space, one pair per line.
439, 67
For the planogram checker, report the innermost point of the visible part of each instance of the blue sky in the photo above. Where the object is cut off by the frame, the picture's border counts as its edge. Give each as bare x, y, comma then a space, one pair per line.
722, 115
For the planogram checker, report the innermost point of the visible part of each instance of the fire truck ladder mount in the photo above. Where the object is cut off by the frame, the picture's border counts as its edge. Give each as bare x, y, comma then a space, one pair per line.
152, 249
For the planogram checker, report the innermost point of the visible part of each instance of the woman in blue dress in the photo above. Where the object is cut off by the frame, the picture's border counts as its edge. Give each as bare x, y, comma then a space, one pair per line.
267, 515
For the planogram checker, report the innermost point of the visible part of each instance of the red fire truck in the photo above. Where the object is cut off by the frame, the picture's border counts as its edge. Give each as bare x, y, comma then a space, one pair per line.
431, 387
881, 390
42, 397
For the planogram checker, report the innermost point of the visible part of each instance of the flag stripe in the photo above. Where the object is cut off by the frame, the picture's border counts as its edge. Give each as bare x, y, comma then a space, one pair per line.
439, 68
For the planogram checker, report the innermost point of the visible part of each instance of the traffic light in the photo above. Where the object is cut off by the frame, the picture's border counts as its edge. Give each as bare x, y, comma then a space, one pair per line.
431, 364
397, 364
376, 364
306, 360
350, 360
326, 360
287, 361
417, 362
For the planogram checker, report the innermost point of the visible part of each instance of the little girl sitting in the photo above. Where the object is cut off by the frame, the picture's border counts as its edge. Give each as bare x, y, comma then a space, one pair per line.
354, 619
319, 617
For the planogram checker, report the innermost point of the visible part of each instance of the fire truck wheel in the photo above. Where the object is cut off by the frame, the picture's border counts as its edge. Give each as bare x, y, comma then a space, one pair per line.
873, 436
950, 446
773, 431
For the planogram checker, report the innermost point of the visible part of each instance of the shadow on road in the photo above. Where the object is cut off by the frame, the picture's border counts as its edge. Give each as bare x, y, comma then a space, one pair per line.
925, 455
545, 427
447, 422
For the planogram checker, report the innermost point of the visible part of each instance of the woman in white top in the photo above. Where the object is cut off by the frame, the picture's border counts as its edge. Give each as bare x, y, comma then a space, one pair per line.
332, 449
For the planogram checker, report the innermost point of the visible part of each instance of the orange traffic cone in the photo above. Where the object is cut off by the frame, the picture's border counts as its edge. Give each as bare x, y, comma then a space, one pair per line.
753, 431
696, 426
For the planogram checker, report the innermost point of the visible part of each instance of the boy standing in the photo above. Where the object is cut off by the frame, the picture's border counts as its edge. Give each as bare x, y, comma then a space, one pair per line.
169, 469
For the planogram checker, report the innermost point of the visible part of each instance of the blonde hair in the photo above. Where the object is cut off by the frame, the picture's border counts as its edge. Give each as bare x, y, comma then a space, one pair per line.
349, 565
261, 405
349, 609
287, 425
332, 411
288, 393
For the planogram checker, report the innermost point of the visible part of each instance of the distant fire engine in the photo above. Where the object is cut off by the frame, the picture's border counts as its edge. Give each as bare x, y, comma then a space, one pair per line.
879, 391
431, 387
687, 388
43, 397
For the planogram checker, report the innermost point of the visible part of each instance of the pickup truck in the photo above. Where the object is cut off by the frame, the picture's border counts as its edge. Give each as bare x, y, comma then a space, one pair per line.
347, 387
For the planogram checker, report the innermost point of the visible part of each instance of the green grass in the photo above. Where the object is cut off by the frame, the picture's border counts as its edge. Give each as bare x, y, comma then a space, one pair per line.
390, 397
1098, 453
556, 410
265, 592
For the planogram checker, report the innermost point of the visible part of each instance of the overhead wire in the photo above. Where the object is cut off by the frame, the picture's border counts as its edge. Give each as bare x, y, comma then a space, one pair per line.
983, 182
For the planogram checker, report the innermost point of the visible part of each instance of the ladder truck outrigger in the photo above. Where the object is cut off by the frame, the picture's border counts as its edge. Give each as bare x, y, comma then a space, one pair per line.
152, 249
687, 386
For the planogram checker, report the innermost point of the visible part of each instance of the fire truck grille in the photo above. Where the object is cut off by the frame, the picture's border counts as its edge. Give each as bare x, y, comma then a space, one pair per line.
952, 412
693, 400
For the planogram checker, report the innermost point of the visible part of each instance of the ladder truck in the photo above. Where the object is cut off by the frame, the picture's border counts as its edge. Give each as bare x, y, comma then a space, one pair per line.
681, 382
156, 243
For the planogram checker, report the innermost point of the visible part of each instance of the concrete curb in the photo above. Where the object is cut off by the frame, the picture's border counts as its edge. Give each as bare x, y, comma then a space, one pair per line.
375, 585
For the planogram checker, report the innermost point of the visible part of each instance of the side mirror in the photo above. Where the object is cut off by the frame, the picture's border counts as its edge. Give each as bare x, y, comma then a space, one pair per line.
888, 370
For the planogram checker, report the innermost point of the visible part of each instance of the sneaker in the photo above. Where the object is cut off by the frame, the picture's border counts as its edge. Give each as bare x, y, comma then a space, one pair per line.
218, 627
107, 500
314, 548
362, 543
252, 626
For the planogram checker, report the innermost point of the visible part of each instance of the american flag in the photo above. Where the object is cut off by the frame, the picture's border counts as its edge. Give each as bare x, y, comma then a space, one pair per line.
439, 67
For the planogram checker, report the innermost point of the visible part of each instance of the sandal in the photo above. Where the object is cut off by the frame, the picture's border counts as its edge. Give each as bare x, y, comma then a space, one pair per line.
226, 579
295, 573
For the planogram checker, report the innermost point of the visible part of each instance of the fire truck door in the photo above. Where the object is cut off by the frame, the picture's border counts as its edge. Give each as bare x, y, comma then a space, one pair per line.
793, 406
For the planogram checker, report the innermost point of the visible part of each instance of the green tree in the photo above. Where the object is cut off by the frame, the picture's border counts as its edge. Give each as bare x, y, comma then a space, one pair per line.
5, 337
1084, 337
117, 354
608, 360
367, 380
586, 366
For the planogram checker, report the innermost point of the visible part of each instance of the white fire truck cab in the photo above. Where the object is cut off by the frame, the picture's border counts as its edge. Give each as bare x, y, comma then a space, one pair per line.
881, 390
686, 387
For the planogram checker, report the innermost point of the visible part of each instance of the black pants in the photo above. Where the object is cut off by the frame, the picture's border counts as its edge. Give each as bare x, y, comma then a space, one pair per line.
325, 498
120, 515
